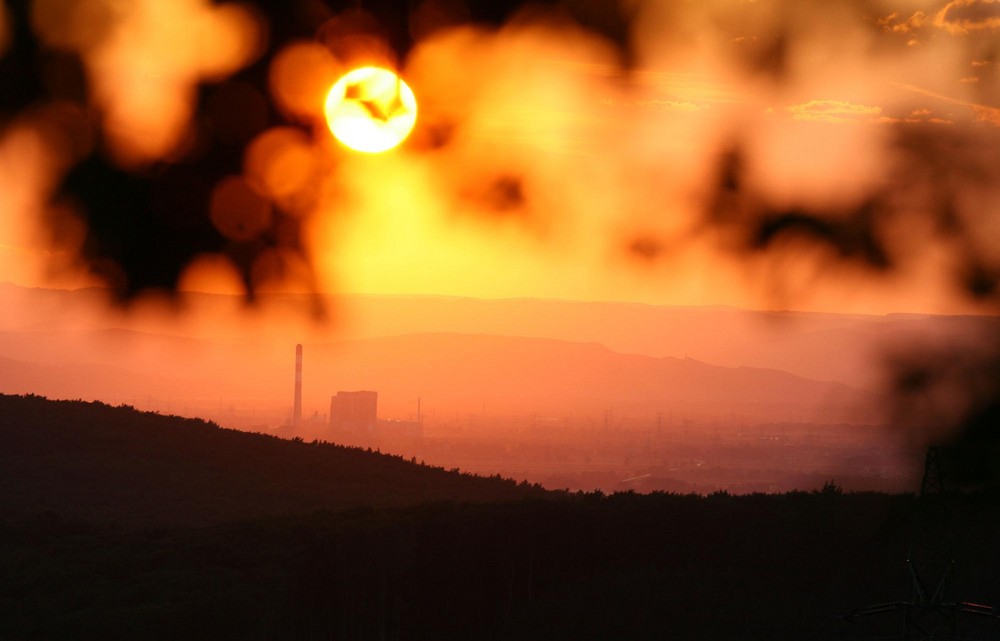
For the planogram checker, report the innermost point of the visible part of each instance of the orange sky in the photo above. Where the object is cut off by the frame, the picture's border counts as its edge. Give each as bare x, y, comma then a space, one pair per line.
565, 175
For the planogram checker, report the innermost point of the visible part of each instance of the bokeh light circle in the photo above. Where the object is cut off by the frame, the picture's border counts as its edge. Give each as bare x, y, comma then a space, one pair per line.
371, 109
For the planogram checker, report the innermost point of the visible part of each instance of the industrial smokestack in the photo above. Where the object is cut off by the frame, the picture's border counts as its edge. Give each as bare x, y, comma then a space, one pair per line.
297, 407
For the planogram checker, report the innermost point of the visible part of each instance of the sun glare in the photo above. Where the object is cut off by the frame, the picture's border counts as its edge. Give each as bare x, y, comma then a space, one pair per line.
371, 110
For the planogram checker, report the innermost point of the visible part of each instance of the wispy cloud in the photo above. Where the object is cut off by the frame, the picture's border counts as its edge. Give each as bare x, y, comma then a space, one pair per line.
982, 113
664, 105
833, 111
964, 16
989, 115
958, 17
842, 111
895, 23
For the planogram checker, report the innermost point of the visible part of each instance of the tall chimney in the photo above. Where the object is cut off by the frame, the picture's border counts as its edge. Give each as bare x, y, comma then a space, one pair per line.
297, 407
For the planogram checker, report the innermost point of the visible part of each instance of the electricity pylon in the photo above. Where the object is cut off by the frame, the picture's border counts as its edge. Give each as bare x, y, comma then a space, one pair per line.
930, 613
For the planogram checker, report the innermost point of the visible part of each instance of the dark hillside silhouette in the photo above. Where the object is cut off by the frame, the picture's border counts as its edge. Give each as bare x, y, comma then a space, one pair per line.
626, 566
424, 554
118, 466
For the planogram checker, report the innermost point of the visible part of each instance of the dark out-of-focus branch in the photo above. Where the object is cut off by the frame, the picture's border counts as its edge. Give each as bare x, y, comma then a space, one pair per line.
939, 179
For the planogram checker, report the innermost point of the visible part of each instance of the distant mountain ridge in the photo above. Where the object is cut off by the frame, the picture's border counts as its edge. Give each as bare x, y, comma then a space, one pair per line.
454, 373
547, 358
539, 374
846, 348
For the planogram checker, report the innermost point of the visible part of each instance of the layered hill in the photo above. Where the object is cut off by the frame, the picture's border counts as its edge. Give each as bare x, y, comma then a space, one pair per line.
454, 374
552, 377
846, 348
553, 359
118, 466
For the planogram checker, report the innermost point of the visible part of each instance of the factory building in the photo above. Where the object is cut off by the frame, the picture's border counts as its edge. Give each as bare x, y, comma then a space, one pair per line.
353, 415
354, 411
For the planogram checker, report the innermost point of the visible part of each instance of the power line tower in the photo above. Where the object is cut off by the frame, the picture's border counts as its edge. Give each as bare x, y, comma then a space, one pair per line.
930, 613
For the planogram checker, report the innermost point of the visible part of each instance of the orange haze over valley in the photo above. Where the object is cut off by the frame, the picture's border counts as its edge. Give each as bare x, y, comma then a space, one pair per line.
551, 378
595, 229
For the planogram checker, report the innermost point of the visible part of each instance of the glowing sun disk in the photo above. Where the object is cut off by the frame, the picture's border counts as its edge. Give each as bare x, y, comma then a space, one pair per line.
371, 110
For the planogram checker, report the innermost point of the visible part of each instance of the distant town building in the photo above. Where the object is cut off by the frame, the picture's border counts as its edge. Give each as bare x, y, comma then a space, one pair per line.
355, 411
388, 428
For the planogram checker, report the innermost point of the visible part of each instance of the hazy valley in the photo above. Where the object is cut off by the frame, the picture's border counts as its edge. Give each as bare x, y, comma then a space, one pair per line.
685, 399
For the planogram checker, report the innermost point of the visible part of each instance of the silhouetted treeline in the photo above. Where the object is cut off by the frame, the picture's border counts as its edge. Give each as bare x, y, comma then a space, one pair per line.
581, 567
534, 565
115, 466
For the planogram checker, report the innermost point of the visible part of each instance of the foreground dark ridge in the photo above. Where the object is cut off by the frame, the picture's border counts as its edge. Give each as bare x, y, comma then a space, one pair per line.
627, 566
117, 466
583, 566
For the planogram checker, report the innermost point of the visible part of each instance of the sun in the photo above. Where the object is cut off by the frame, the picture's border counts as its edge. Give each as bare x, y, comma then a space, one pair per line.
371, 110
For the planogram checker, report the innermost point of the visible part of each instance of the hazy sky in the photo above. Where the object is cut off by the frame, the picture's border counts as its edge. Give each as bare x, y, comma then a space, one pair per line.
577, 151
